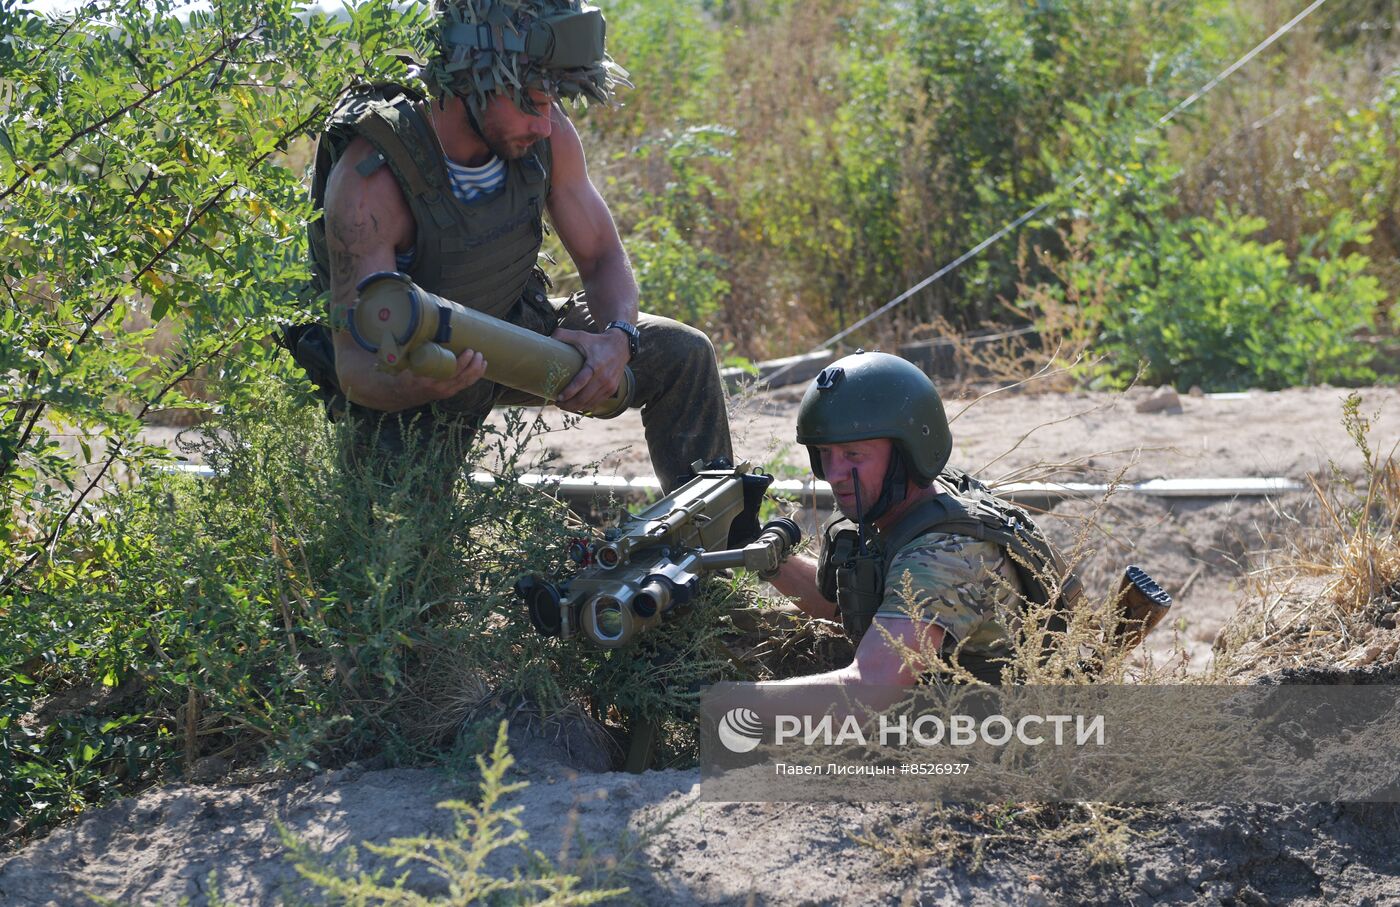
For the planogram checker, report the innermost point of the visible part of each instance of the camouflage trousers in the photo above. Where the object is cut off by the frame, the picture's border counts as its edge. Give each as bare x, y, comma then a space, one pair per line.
678, 390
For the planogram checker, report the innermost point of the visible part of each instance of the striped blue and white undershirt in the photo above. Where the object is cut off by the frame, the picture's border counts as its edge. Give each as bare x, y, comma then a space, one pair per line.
469, 184
472, 183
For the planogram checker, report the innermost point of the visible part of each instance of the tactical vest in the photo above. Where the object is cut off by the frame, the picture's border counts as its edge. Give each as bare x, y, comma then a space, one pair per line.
856, 579
482, 254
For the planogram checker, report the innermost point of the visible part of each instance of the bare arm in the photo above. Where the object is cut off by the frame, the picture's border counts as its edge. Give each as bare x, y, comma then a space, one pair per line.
586, 228
367, 219
877, 660
870, 683
797, 579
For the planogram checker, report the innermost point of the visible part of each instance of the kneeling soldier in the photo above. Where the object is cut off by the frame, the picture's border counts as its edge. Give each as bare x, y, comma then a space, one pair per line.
919, 554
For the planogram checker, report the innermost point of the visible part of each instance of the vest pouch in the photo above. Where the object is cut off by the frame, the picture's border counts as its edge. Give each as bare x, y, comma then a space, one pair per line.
860, 587
537, 312
312, 348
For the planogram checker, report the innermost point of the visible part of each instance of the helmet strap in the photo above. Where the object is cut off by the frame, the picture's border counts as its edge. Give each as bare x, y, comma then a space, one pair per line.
469, 105
860, 523
893, 490
472, 120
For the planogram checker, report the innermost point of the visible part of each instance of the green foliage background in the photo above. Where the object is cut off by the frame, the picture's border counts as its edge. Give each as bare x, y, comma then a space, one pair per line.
781, 169
855, 147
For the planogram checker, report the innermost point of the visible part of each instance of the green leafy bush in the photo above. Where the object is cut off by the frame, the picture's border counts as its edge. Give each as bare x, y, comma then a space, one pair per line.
1216, 308
677, 273
1193, 300
670, 48
144, 190
871, 144
1364, 172
297, 607
143, 180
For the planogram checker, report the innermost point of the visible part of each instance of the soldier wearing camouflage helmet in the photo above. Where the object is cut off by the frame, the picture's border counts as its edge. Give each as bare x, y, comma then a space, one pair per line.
452, 189
918, 554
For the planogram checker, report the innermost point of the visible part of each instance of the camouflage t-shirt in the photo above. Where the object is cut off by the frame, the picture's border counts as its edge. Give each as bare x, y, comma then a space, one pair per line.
967, 587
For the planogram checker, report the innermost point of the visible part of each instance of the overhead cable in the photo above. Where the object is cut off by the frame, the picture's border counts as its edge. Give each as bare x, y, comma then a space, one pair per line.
1000, 234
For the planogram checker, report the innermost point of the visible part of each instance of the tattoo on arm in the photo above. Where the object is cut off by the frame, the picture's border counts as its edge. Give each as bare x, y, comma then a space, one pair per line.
344, 240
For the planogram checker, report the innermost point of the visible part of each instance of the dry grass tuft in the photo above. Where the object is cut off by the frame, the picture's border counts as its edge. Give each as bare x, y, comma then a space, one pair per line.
443, 692
962, 834
1333, 597
1059, 295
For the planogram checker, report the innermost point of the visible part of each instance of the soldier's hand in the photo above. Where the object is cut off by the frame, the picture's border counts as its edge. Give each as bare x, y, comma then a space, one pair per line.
604, 357
471, 366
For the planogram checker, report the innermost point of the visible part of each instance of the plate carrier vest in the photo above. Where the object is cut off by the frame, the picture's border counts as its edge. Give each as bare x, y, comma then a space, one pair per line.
856, 580
482, 254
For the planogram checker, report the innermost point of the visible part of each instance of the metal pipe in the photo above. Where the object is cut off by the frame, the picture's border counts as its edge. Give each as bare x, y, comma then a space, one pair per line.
819, 493
581, 488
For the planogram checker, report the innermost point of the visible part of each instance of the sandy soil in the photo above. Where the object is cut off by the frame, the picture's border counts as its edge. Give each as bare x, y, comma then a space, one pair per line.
651, 833
162, 846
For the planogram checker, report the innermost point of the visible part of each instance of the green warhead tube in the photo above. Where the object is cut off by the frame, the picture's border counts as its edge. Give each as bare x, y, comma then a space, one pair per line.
407, 327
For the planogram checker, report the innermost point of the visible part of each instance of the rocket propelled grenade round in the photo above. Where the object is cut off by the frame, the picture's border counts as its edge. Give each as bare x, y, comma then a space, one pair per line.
406, 327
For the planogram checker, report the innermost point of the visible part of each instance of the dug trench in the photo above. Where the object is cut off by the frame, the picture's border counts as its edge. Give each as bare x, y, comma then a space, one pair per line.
651, 833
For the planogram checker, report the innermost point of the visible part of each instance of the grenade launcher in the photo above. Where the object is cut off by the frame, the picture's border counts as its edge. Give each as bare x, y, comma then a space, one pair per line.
406, 327
647, 568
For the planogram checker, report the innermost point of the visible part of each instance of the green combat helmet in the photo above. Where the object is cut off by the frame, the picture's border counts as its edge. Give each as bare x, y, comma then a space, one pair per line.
875, 395
513, 46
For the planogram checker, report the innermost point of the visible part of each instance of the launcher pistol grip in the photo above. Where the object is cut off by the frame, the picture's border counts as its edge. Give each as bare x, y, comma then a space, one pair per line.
1142, 605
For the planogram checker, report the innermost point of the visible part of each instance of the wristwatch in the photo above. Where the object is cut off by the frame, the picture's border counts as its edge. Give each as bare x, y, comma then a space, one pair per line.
633, 338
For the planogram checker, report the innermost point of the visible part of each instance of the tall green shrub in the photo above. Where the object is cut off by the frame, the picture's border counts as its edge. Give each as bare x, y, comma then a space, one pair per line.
872, 143
1365, 172
142, 180
1217, 308
1193, 300
678, 272
296, 607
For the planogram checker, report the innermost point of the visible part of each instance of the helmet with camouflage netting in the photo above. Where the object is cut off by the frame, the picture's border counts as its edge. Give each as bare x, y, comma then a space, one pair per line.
875, 395
484, 47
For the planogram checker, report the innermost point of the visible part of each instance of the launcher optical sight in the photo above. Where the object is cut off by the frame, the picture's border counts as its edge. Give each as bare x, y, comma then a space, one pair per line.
649, 567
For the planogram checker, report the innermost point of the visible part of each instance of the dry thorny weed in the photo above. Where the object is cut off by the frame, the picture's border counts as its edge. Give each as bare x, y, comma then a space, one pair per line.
959, 834
1055, 349
1331, 593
